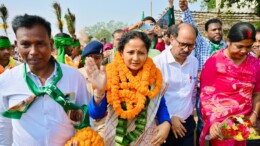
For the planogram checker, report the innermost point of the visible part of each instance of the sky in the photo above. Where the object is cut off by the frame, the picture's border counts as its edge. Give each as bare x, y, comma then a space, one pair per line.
88, 12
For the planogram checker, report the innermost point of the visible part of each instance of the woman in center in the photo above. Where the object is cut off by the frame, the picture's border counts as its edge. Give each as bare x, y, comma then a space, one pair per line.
129, 93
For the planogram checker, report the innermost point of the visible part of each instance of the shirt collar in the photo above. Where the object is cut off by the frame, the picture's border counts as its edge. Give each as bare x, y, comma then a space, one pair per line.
28, 70
171, 59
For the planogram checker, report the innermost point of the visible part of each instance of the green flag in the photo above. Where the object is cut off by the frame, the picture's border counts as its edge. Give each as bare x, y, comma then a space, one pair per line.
142, 16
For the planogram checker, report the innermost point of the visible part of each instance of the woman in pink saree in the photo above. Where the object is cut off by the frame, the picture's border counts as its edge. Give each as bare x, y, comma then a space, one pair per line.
230, 84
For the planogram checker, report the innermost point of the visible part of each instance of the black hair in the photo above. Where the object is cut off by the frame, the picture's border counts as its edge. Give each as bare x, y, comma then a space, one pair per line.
175, 29
167, 32
214, 20
62, 34
117, 31
131, 35
241, 31
29, 21
149, 18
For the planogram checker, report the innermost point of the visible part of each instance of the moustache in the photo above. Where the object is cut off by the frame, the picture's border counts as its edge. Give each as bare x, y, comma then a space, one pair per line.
186, 53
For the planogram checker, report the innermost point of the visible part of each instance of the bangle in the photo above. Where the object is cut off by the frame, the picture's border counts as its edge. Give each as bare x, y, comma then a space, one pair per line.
254, 112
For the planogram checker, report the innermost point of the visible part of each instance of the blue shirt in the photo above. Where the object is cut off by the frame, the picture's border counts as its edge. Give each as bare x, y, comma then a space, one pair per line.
202, 45
99, 111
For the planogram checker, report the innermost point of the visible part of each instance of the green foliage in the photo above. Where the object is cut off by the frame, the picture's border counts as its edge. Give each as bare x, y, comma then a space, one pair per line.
102, 29
211, 4
104, 33
242, 4
257, 24
208, 4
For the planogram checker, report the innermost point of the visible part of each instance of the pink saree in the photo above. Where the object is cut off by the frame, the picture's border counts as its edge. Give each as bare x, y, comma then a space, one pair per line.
227, 89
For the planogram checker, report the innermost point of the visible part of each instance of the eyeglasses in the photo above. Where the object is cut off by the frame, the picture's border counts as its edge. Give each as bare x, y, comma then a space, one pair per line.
185, 45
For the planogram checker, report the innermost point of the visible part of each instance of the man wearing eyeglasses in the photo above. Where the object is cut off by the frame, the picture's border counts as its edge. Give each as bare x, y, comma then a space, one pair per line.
204, 48
179, 70
94, 50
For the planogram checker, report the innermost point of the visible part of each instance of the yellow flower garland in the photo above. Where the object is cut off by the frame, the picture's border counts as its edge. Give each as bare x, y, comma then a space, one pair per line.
122, 86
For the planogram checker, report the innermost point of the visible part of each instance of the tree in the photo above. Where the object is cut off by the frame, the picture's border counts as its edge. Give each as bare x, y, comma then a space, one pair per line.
211, 4
102, 29
242, 3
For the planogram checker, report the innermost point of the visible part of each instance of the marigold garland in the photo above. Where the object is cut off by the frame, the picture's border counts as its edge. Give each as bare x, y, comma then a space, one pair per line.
86, 137
122, 86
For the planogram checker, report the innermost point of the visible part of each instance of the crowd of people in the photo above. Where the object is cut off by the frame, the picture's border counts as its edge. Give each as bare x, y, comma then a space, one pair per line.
140, 89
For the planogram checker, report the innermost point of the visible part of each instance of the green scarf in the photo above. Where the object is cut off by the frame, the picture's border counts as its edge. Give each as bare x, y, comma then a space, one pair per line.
75, 44
153, 43
5, 43
53, 91
59, 43
214, 47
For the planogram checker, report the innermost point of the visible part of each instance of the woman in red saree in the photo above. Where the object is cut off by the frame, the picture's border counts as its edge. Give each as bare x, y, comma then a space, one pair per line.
230, 80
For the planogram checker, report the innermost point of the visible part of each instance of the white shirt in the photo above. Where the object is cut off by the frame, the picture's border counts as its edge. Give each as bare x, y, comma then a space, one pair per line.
45, 123
181, 92
168, 47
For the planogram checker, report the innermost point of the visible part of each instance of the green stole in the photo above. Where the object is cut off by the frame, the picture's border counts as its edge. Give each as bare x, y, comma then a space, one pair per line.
153, 43
214, 47
54, 92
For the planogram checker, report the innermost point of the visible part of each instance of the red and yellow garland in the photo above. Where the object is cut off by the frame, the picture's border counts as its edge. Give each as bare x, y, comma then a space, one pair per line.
122, 86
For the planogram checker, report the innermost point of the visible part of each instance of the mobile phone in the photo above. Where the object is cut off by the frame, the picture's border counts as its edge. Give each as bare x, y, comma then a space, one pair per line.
147, 26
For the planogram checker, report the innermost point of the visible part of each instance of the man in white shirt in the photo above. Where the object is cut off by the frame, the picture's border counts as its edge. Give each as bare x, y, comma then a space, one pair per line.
179, 70
43, 120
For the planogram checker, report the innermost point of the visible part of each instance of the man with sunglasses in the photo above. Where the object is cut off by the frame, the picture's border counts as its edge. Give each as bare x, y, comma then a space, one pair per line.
179, 70
6, 61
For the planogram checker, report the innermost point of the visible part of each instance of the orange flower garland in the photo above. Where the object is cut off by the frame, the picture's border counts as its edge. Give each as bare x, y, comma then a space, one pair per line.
86, 137
2, 69
122, 86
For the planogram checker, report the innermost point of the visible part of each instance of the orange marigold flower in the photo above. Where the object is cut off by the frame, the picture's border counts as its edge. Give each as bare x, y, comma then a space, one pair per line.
86, 137
122, 86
